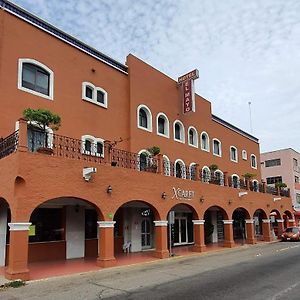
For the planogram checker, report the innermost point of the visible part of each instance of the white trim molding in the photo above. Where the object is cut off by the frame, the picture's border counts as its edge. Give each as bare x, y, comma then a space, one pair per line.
94, 141
207, 141
266, 220
249, 221
19, 226
244, 154
161, 223
106, 224
198, 222
227, 222
149, 117
41, 65
166, 125
280, 220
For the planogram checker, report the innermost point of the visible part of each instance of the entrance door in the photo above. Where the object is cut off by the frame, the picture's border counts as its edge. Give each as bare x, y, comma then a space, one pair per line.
180, 231
146, 234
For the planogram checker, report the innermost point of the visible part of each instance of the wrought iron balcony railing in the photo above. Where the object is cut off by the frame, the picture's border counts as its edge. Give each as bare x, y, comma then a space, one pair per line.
9, 144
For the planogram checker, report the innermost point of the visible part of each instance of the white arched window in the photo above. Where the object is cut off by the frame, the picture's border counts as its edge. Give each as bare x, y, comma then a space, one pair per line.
192, 137
35, 78
253, 161
219, 177
94, 94
217, 148
179, 169
167, 165
233, 154
144, 160
178, 131
162, 125
205, 174
92, 145
204, 141
244, 154
235, 181
144, 118
192, 171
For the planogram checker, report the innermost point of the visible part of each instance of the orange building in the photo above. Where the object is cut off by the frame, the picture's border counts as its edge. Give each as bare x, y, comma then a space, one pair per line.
102, 188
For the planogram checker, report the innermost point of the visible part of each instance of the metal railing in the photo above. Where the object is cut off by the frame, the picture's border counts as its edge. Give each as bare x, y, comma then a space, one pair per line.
9, 144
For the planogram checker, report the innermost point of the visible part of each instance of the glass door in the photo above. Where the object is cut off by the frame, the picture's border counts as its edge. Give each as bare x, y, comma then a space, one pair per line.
180, 231
146, 234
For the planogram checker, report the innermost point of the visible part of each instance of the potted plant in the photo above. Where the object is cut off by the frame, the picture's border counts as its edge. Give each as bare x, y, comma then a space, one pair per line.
280, 185
41, 119
249, 176
213, 167
154, 150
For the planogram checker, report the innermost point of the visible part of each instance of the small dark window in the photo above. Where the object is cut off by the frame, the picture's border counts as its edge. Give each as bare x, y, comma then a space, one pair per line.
143, 162
143, 121
191, 137
89, 92
177, 132
273, 180
99, 148
100, 97
88, 146
179, 170
161, 125
233, 154
217, 147
35, 78
273, 162
204, 141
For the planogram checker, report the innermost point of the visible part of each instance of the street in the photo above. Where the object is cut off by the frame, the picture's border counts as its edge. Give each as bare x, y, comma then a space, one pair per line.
263, 271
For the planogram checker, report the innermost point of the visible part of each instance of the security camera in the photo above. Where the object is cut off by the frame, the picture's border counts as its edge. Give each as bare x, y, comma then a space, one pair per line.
87, 173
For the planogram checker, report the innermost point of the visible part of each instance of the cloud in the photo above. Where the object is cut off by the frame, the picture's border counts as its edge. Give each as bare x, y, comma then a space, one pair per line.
245, 51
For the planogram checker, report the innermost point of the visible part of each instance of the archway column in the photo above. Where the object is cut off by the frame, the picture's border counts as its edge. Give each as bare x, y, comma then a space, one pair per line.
18, 252
291, 222
267, 230
250, 231
106, 256
228, 233
280, 223
161, 241
199, 236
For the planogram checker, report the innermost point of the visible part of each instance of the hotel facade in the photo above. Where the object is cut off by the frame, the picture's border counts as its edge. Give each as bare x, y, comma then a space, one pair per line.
136, 152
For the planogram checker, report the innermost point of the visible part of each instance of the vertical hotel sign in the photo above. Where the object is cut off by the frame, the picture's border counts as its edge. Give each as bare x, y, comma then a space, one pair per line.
188, 93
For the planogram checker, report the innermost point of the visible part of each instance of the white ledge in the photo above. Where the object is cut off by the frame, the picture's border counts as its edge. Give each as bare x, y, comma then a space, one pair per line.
249, 221
198, 222
106, 224
228, 221
266, 220
19, 226
160, 223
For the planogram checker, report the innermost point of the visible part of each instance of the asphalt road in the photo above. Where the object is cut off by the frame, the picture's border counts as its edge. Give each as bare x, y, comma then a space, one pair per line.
264, 271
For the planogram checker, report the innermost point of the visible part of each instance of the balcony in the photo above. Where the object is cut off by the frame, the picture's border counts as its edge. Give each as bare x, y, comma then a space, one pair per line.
76, 149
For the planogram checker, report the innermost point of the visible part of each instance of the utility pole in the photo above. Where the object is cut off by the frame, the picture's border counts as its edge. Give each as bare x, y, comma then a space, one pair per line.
251, 129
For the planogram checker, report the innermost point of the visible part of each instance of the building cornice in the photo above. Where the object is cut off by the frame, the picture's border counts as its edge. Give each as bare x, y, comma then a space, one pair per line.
54, 31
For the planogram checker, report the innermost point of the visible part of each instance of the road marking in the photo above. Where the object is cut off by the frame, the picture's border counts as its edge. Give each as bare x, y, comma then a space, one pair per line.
295, 246
278, 295
283, 249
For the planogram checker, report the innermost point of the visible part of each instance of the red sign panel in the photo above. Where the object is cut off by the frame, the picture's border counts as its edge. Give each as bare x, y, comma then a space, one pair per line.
191, 75
187, 96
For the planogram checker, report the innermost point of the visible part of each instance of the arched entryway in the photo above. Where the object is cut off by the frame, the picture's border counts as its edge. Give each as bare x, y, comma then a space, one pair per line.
276, 223
5, 218
258, 217
182, 229
63, 228
239, 217
134, 228
214, 224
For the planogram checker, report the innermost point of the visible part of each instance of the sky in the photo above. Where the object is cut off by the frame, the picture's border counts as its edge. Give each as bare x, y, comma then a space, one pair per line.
245, 51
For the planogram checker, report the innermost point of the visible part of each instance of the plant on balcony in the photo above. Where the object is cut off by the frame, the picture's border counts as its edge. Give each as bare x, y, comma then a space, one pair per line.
249, 176
154, 150
42, 119
280, 185
213, 167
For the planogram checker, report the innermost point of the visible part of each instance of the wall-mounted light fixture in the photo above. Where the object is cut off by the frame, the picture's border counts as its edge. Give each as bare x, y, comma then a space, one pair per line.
109, 189
229, 201
163, 195
201, 199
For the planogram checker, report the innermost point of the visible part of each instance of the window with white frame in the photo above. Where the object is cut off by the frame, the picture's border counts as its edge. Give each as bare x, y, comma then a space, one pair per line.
92, 145
144, 118
253, 161
255, 185
94, 94
167, 165
233, 154
235, 181
217, 147
219, 177
205, 174
244, 155
193, 137
35, 78
162, 125
204, 141
192, 171
145, 160
179, 171
178, 132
